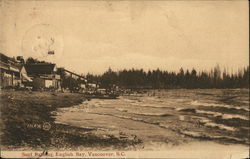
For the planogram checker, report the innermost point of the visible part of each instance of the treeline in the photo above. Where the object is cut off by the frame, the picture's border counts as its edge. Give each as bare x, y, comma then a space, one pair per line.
158, 79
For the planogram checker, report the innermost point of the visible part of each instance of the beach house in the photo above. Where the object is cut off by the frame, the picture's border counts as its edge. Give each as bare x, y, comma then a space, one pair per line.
44, 75
10, 75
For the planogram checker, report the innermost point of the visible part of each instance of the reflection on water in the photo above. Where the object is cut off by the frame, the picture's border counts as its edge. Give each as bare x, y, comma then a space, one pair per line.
205, 114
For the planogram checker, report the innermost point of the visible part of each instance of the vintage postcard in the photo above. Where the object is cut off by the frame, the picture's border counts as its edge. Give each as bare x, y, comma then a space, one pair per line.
124, 79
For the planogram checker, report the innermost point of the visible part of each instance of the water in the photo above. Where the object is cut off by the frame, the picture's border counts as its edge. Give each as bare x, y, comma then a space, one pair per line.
168, 115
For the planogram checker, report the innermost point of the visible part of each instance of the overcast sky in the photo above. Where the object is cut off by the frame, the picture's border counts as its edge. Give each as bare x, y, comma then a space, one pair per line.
92, 36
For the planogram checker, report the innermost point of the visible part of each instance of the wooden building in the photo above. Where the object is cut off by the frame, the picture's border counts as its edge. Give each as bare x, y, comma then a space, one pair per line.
12, 72
9, 72
43, 75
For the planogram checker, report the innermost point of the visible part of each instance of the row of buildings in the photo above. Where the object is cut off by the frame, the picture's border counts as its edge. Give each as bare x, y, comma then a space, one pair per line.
15, 72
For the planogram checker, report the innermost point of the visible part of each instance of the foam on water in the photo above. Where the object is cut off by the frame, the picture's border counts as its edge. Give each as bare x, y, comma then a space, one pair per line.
223, 115
198, 103
209, 113
220, 126
232, 116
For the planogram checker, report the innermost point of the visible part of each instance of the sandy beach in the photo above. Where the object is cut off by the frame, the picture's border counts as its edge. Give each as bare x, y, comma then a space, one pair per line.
28, 123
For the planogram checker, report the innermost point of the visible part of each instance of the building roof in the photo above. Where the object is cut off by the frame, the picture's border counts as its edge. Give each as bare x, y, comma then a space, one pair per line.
6, 59
39, 69
8, 63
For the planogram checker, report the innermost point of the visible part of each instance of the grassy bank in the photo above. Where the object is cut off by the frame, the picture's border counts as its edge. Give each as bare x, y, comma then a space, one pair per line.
27, 122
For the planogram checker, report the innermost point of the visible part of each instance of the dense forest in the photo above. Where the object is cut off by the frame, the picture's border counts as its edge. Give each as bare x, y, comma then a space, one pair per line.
158, 79
162, 79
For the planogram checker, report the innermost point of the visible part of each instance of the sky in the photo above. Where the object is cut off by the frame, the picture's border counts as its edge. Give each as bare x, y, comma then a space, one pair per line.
91, 36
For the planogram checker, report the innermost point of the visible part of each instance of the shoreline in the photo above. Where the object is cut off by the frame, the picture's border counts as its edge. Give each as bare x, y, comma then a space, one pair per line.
28, 129
33, 126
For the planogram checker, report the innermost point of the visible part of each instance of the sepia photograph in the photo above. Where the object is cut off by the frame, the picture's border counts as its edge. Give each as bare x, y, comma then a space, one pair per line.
124, 79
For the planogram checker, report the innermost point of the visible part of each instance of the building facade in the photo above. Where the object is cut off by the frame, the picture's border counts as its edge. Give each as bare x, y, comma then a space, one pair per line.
44, 75
9, 72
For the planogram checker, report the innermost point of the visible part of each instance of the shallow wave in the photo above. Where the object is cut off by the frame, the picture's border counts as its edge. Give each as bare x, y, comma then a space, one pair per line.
157, 105
194, 134
223, 115
143, 113
220, 126
232, 116
198, 103
121, 116
213, 137
209, 113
